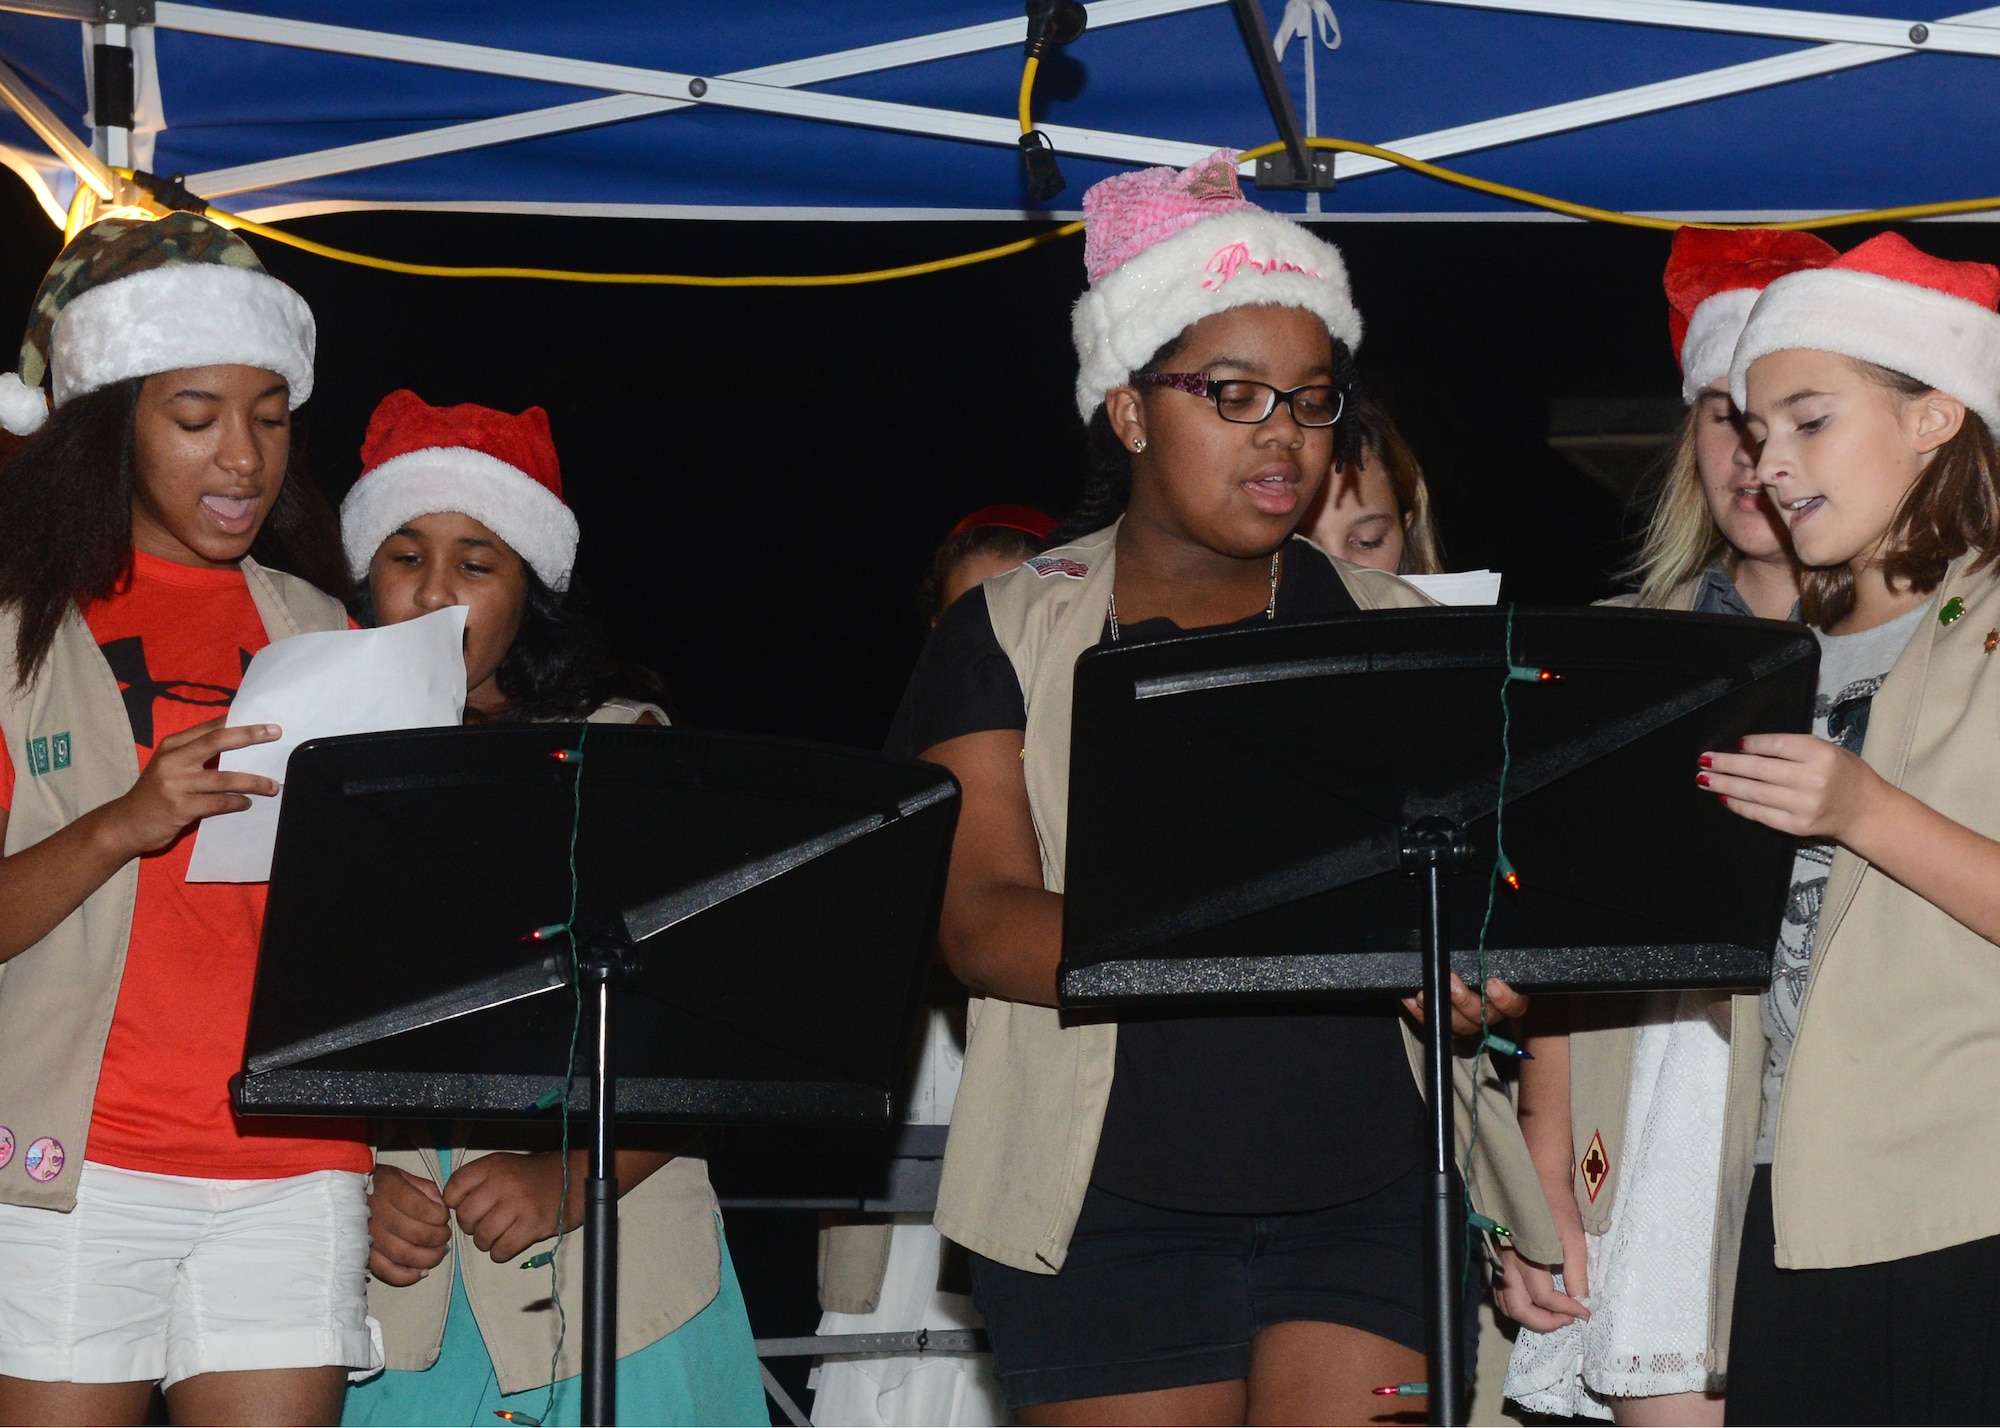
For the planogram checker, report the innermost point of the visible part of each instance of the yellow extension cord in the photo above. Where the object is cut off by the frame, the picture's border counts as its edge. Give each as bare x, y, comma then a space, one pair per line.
962, 260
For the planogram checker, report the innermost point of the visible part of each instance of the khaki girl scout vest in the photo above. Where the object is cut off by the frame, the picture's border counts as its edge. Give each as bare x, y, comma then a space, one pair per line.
72, 748
1025, 1127
1888, 1145
667, 1226
1602, 1040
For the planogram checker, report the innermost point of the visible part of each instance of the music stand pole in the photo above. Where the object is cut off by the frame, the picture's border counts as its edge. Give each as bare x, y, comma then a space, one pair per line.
1436, 847
603, 965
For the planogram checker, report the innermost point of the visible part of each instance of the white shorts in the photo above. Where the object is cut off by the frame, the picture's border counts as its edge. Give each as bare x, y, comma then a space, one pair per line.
162, 1277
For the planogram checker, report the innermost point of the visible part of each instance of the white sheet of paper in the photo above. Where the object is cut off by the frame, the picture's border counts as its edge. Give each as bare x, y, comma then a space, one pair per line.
1461, 587
407, 676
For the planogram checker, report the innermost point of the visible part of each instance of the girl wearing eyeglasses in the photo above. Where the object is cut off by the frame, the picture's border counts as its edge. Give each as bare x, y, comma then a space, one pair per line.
1202, 1219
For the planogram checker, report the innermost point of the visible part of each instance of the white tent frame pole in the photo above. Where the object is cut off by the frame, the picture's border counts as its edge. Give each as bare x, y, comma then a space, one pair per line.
1944, 36
56, 134
1641, 99
563, 118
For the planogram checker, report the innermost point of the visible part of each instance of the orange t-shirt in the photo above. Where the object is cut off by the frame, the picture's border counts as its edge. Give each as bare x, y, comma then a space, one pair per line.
179, 640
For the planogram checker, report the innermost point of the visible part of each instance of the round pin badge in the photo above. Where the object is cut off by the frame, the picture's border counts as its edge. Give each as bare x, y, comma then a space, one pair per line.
44, 1159
6, 1147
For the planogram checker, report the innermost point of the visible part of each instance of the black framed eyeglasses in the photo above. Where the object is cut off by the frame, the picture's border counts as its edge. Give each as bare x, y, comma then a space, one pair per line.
1240, 400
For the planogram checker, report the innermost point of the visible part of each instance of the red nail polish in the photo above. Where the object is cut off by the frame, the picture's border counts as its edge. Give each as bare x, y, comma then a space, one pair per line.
1701, 779
1708, 761
1723, 796
1739, 746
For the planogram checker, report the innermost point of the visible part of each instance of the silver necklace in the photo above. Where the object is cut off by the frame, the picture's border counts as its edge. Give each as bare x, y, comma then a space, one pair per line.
1270, 606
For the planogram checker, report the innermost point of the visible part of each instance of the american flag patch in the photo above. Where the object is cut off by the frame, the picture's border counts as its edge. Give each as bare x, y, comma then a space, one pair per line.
1047, 565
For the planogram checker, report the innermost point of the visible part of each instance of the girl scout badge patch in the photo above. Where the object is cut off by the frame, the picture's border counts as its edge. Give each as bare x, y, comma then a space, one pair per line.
1595, 1167
1047, 565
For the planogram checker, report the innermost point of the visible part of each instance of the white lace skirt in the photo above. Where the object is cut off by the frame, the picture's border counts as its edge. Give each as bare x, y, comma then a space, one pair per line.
1649, 1272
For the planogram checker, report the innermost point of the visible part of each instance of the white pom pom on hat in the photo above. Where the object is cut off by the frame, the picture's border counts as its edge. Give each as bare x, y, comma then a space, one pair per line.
23, 408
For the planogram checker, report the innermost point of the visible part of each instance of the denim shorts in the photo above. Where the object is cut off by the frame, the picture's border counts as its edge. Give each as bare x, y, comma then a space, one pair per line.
1153, 1299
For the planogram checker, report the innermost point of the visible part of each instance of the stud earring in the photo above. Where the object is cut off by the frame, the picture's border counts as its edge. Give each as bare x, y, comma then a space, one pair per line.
1139, 444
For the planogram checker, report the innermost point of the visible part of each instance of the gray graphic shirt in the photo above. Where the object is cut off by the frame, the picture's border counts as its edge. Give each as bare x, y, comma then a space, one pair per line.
1851, 669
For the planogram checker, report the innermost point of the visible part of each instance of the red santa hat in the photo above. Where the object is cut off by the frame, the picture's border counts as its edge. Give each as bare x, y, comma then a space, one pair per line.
1026, 519
1164, 249
1890, 303
1713, 277
501, 470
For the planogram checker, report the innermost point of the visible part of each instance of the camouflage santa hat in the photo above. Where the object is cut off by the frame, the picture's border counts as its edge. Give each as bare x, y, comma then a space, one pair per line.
130, 297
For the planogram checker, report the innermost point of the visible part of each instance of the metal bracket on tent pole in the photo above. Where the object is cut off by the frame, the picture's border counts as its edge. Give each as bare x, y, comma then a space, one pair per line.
1297, 167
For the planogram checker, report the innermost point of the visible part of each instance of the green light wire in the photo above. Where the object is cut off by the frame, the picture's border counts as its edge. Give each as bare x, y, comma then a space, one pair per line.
1486, 922
569, 1077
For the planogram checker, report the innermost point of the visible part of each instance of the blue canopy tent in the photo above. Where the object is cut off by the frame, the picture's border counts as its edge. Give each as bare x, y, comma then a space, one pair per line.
757, 109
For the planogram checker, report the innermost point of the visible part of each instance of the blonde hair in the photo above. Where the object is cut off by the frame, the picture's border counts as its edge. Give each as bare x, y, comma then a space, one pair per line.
1681, 539
1380, 442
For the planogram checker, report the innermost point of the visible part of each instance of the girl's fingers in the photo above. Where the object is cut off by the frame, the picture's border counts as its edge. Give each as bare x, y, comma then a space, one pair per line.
1758, 768
1557, 1302
1750, 790
1779, 746
204, 741
391, 1273
213, 781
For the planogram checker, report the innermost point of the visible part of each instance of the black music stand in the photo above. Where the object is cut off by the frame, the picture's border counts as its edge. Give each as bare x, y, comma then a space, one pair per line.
767, 907
1245, 808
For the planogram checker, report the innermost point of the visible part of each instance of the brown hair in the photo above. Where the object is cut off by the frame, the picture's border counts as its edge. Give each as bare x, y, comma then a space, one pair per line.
1002, 541
1953, 507
1378, 440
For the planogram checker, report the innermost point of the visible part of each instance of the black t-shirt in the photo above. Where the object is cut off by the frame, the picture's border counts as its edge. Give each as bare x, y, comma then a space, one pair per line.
1253, 1113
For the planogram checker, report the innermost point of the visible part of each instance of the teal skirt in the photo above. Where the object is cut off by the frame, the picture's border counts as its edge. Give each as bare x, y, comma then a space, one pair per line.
706, 1371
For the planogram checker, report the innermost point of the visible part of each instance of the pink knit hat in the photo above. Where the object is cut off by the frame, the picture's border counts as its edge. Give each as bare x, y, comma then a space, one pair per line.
1164, 249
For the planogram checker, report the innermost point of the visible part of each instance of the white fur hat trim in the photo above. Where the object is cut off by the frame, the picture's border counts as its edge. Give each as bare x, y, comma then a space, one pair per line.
506, 500
1242, 259
23, 408
1711, 339
184, 315
1934, 337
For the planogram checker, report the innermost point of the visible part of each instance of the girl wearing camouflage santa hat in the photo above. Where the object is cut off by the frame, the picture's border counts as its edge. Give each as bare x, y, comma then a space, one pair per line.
1868, 1287
145, 1239
1200, 1219
1623, 1103
463, 505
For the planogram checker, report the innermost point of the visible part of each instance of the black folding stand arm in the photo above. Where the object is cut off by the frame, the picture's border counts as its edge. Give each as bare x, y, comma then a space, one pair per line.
1435, 848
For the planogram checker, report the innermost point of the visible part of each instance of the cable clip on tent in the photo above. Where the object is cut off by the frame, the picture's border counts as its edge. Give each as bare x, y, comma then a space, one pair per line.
1050, 23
